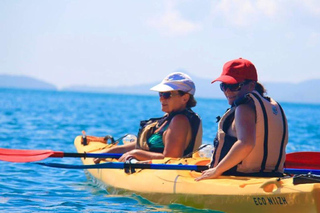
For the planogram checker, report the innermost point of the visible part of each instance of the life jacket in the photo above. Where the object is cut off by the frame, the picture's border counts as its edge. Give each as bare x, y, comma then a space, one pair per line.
268, 154
148, 127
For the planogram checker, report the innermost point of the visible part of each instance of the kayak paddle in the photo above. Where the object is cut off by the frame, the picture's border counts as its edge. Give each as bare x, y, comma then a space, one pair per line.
121, 165
298, 160
23, 156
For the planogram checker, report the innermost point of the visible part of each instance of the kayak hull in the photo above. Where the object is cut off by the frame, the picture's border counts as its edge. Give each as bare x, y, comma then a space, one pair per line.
227, 193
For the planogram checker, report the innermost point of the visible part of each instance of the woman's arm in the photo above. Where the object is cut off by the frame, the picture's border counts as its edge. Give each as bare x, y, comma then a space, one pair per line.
117, 149
140, 155
177, 137
246, 133
122, 148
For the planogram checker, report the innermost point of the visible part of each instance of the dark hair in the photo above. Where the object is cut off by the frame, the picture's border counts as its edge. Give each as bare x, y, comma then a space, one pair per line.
191, 102
260, 89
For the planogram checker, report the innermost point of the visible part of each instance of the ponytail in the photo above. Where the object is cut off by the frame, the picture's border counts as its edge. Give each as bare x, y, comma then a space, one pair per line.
260, 89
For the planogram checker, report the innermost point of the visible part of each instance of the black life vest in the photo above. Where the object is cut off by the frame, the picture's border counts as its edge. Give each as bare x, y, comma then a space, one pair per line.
148, 127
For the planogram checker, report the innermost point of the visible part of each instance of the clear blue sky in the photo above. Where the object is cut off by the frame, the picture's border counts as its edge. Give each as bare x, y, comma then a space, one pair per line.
126, 42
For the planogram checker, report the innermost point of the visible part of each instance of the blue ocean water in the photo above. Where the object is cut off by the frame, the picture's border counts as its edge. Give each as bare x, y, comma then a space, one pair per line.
31, 119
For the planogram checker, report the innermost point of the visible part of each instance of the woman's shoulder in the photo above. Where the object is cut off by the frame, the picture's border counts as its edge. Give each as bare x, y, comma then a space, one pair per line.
179, 117
245, 111
179, 120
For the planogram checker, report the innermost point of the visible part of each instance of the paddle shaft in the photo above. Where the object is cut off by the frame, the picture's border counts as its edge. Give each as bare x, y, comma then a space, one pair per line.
121, 165
302, 171
86, 155
129, 166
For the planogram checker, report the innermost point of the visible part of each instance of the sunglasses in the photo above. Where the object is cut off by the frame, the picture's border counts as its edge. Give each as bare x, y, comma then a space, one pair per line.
233, 87
167, 95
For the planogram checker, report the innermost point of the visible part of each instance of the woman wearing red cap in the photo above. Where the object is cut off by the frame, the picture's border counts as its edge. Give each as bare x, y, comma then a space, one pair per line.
177, 133
253, 133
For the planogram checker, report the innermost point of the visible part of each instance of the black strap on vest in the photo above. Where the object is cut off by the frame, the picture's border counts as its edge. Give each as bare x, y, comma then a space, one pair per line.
254, 174
194, 122
283, 138
266, 132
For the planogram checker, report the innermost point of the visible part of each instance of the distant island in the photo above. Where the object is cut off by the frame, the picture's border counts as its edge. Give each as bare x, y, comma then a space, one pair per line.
303, 92
24, 82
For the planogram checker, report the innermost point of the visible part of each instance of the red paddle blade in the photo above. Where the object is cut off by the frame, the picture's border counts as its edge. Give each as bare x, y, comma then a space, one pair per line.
22, 156
303, 160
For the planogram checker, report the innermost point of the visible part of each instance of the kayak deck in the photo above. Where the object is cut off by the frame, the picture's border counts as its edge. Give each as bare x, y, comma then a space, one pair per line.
227, 193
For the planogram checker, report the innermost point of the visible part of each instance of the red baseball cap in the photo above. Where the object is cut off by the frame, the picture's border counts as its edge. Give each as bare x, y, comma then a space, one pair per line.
237, 71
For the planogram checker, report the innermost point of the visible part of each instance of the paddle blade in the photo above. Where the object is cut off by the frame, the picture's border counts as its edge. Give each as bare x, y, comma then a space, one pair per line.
303, 160
23, 156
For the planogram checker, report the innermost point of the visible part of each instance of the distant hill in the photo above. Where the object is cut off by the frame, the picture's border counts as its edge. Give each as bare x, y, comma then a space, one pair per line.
204, 88
24, 82
303, 92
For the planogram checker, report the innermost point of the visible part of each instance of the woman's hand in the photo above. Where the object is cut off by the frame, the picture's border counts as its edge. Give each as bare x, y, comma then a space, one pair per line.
117, 149
126, 156
209, 174
97, 160
140, 155
129, 155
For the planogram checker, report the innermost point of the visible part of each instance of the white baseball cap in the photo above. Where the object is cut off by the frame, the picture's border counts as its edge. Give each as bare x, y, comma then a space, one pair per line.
176, 81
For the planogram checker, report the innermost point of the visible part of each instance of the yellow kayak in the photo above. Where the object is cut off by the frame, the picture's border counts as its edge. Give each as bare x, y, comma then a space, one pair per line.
227, 193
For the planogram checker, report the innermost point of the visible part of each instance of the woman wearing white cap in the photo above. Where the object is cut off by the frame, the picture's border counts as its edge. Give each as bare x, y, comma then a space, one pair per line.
177, 133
